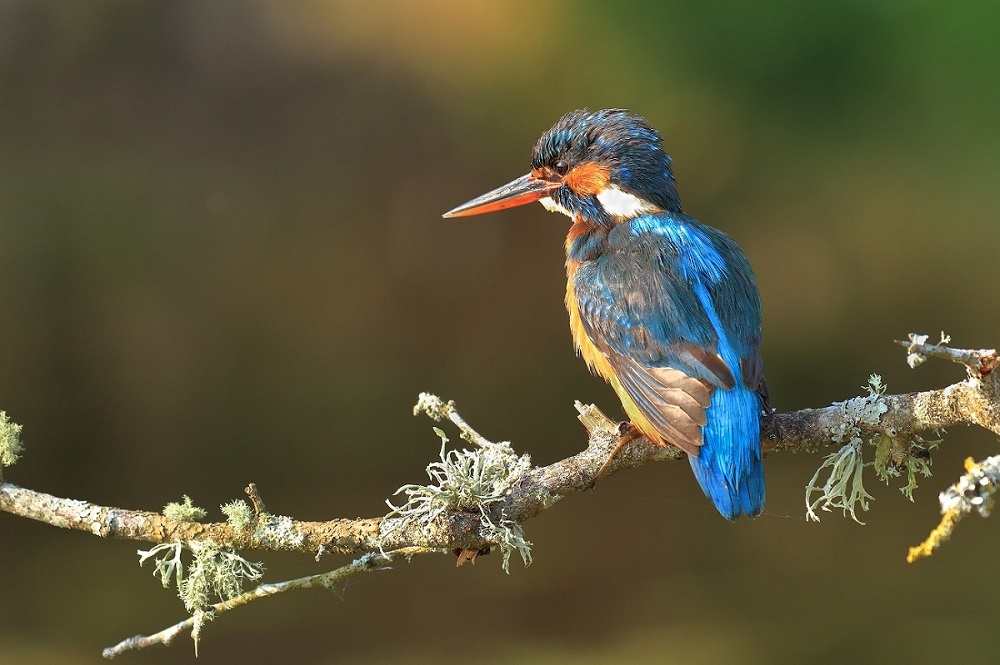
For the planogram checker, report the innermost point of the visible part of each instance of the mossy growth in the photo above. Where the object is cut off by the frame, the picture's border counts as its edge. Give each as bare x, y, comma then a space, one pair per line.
184, 512
238, 514
10, 440
214, 574
844, 486
470, 480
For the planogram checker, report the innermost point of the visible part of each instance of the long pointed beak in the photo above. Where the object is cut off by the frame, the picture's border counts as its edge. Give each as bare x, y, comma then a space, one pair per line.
525, 189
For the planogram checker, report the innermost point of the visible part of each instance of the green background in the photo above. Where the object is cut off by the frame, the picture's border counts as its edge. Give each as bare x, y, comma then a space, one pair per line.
222, 261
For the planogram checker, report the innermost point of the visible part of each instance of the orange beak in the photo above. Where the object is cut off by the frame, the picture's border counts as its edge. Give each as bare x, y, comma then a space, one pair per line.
526, 189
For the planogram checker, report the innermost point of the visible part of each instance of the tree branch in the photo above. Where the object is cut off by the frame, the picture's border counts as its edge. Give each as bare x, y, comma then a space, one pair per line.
974, 400
526, 491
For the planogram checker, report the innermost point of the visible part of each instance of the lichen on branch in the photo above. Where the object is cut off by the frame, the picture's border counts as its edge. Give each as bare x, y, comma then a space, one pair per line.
974, 492
10, 442
481, 498
859, 427
467, 481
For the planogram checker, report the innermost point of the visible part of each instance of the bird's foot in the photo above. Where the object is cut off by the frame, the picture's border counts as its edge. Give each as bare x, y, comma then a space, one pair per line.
626, 431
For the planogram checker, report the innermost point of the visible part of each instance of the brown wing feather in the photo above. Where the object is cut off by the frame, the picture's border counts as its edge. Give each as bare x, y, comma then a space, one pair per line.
672, 402
711, 361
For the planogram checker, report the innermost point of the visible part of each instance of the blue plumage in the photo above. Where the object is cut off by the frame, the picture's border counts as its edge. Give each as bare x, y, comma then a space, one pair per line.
663, 307
664, 291
729, 467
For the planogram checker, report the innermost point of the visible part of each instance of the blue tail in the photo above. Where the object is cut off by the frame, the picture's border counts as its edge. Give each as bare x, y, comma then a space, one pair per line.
729, 467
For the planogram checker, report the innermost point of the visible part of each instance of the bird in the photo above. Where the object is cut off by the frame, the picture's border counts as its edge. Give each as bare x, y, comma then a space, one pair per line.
663, 307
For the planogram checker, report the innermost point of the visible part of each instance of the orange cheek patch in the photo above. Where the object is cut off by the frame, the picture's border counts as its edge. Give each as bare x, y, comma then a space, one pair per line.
587, 179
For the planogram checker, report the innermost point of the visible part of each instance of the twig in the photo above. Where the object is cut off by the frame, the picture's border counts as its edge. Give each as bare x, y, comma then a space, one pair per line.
366, 563
437, 409
258, 503
980, 362
974, 492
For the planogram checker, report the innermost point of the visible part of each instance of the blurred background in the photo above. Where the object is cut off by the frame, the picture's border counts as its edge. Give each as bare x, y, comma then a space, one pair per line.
222, 261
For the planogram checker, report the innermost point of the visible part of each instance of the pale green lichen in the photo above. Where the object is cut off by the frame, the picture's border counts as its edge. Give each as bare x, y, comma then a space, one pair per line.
875, 386
201, 617
469, 480
184, 512
844, 486
214, 574
915, 466
238, 514
914, 358
893, 457
509, 536
10, 440
277, 531
167, 557
884, 464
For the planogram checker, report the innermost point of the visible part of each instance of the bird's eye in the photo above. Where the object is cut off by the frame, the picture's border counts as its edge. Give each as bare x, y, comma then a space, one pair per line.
561, 167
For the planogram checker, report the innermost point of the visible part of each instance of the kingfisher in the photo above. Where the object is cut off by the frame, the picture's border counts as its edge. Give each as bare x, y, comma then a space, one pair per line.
663, 307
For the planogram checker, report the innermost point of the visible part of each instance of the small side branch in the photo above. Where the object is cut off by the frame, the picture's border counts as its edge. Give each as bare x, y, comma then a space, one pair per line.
254, 496
974, 492
328, 580
980, 362
437, 409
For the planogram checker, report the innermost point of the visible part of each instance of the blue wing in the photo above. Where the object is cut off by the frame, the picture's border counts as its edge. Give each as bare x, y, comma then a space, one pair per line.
670, 293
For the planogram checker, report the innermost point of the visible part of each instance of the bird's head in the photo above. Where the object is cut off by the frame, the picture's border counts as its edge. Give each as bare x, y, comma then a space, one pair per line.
604, 166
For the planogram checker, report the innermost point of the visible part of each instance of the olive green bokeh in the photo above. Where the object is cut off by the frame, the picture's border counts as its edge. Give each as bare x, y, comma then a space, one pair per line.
222, 261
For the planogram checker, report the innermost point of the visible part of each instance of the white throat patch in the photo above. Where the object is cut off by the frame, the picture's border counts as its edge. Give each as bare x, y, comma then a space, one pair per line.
619, 203
552, 206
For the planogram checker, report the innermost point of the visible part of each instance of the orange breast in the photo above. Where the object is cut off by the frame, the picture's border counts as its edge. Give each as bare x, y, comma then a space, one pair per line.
595, 358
